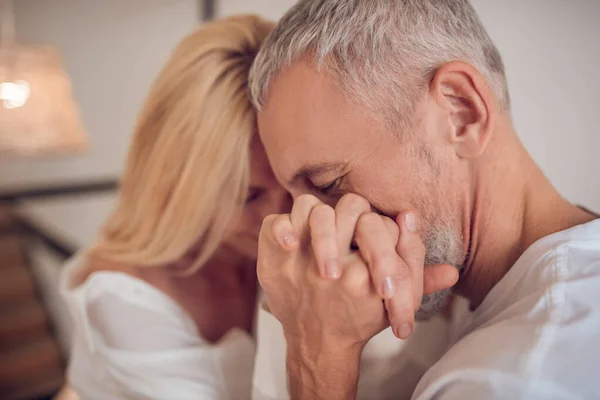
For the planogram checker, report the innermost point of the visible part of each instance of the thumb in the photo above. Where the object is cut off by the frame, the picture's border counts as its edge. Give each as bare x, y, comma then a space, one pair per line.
439, 277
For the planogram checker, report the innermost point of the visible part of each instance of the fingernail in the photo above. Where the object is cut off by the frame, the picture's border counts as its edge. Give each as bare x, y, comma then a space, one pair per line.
388, 289
404, 331
289, 239
411, 221
332, 269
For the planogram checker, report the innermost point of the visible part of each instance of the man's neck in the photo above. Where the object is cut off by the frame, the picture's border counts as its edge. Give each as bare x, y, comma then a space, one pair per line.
513, 206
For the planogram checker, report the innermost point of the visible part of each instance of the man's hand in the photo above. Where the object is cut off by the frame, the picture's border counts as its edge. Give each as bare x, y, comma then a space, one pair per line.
395, 261
288, 270
328, 296
324, 341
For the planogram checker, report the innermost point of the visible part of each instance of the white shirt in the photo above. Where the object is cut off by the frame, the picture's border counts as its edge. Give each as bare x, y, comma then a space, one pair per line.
536, 336
132, 341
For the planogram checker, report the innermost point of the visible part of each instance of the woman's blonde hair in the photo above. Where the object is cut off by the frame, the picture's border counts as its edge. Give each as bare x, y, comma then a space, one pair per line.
187, 171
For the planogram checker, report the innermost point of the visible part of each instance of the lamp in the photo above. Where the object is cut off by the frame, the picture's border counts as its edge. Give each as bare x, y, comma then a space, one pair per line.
38, 114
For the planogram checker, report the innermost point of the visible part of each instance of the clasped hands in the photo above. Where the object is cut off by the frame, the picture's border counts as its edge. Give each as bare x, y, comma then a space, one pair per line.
335, 277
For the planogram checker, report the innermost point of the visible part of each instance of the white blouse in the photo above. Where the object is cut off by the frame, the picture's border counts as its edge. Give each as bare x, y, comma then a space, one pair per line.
132, 341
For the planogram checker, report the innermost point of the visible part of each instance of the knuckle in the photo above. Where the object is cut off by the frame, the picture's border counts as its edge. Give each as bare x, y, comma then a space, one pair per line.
268, 221
418, 253
385, 260
354, 203
356, 280
356, 286
279, 224
401, 309
306, 199
399, 312
366, 225
401, 275
323, 239
368, 220
392, 228
281, 219
413, 249
323, 246
321, 212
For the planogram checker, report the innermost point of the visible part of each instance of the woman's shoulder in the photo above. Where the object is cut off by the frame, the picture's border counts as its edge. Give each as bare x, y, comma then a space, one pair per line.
115, 302
112, 283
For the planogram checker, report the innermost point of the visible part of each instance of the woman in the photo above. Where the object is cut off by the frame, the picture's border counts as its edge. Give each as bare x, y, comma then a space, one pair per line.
164, 301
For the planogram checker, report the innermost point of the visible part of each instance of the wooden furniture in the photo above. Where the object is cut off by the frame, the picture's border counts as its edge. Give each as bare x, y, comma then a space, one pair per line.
31, 364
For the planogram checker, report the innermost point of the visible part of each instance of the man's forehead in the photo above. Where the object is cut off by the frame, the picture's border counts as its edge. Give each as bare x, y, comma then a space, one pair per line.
291, 155
305, 122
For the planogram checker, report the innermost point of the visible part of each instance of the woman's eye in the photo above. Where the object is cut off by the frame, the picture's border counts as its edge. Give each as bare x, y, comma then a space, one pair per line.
254, 195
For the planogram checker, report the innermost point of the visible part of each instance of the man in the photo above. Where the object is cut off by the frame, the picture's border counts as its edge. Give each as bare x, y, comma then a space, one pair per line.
405, 104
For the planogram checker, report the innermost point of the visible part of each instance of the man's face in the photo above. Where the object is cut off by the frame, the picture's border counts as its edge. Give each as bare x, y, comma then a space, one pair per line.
320, 142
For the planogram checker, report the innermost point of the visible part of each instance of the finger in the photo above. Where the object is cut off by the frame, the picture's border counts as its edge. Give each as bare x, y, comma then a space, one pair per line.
266, 229
400, 312
392, 229
439, 277
357, 283
378, 250
267, 249
347, 211
401, 317
300, 213
284, 233
324, 241
412, 251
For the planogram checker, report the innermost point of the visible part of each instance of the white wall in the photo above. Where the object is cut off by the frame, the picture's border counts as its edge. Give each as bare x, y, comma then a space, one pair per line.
112, 49
272, 9
551, 52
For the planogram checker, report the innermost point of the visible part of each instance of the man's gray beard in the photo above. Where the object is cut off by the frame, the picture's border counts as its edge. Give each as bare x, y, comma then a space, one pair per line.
443, 245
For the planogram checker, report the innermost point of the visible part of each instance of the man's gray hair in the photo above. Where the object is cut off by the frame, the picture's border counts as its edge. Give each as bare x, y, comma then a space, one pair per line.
382, 52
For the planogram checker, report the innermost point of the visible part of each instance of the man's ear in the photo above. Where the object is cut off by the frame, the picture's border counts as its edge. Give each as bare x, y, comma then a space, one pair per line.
463, 93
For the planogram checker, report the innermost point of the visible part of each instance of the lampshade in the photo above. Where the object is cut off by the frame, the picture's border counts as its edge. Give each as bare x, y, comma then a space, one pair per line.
37, 110
38, 114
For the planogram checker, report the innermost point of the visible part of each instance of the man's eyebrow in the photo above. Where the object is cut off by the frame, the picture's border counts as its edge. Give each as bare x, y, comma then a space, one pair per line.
313, 170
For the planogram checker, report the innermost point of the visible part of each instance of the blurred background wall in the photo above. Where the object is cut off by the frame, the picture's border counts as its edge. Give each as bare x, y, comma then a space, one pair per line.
114, 48
551, 52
